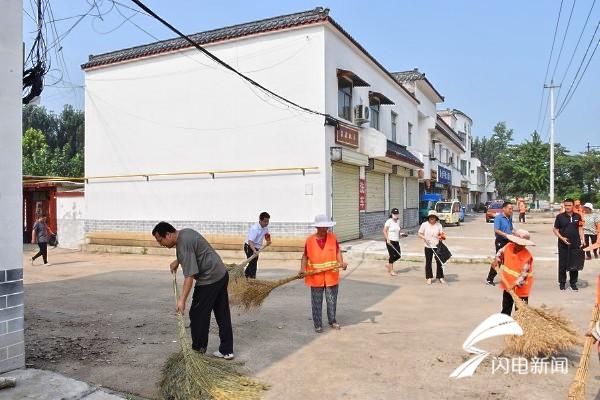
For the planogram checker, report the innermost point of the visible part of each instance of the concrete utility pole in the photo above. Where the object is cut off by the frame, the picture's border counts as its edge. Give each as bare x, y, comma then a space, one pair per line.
11, 201
552, 119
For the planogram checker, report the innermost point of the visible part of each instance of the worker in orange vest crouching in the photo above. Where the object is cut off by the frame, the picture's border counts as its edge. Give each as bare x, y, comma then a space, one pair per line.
516, 267
322, 252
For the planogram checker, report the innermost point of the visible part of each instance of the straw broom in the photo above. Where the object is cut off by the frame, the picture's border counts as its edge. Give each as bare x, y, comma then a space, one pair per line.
253, 292
236, 271
545, 332
577, 389
190, 375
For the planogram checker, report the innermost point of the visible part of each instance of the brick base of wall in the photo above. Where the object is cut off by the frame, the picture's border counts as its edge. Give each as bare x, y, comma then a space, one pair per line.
410, 217
288, 229
12, 346
371, 223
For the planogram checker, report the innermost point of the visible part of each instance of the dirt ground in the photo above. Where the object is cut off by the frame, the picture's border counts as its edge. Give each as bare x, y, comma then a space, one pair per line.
108, 319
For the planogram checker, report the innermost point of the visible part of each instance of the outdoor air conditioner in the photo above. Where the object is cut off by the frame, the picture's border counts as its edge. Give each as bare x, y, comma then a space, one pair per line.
361, 114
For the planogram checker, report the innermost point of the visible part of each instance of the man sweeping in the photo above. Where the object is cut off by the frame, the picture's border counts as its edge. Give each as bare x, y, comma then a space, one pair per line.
258, 233
516, 268
204, 270
503, 226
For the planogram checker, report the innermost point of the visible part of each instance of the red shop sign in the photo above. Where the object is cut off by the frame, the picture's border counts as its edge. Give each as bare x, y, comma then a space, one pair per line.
362, 195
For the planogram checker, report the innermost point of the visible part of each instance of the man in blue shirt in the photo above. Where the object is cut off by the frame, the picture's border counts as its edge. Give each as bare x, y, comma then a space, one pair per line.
254, 242
503, 226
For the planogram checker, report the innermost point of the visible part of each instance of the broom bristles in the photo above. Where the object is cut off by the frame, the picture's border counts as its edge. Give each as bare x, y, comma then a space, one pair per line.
189, 374
546, 332
577, 389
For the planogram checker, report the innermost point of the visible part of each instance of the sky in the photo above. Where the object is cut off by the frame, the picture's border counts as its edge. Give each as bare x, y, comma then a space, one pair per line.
487, 58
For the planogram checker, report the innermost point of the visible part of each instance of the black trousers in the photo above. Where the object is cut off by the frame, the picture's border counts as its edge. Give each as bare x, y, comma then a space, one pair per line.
522, 217
43, 252
507, 302
498, 244
563, 266
207, 299
439, 273
252, 265
393, 251
589, 240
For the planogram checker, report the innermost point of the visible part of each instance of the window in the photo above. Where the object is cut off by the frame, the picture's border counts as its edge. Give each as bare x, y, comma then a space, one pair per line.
374, 105
344, 98
394, 126
410, 134
463, 167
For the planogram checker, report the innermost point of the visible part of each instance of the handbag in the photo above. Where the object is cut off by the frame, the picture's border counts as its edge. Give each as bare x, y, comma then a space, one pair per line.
53, 241
443, 252
576, 259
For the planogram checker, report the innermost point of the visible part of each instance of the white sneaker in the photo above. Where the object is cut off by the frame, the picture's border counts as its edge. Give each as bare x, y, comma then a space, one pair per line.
47, 264
224, 356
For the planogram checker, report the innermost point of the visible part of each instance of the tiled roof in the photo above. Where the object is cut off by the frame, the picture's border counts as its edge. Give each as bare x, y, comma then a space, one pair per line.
400, 152
408, 76
316, 15
231, 32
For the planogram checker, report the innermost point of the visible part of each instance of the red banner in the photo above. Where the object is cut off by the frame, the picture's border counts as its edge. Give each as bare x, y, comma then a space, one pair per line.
362, 195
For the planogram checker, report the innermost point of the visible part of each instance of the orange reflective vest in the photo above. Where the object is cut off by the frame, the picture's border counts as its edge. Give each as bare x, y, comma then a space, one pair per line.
324, 258
513, 267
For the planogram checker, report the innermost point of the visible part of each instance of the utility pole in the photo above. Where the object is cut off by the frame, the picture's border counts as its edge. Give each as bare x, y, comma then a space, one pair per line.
552, 86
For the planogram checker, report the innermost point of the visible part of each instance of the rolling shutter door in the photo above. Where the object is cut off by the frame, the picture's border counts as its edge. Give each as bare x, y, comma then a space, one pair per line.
412, 193
375, 191
345, 201
397, 194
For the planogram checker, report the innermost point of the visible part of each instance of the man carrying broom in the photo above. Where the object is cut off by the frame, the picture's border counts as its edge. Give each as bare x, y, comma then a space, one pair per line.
322, 252
200, 263
516, 268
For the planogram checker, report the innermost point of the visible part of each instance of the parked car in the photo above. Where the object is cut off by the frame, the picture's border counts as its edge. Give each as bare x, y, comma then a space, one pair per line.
493, 210
448, 212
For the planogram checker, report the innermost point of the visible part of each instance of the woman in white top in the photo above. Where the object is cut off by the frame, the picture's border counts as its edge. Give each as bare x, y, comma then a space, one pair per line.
391, 233
431, 232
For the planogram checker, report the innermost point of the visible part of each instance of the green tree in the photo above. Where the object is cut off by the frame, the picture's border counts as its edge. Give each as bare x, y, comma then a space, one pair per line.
36, 154
524, 168
488, 150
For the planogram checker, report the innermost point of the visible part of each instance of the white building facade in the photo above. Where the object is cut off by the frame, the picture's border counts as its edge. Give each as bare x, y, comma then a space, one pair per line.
170, 135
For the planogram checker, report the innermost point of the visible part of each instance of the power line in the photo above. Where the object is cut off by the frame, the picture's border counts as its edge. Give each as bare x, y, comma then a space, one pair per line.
576, 47
572, 87
568, 98
229, 67
562, 45
549, 62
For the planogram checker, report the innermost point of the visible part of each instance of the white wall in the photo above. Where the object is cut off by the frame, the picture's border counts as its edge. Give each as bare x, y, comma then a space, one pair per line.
340, 53
70, 216
11, 200
180, 112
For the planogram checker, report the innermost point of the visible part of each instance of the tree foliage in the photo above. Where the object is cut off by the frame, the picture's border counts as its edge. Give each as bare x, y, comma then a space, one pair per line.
488, 150
53, 144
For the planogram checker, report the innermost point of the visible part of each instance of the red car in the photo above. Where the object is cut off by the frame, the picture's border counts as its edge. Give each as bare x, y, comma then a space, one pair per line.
493, 210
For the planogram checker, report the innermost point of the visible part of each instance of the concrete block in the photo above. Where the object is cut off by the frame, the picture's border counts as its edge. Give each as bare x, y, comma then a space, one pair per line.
11, 364
16, 349
14, 274
9, 339
11, 313
7, 288
12, 325
14, 300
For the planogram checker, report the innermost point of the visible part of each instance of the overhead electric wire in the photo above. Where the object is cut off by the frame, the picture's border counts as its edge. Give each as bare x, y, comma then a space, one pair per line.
562, 45
573, 85
227, 66
549, 62
569, 97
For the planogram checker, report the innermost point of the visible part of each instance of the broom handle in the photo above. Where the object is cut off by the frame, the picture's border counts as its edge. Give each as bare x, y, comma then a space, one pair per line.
511, 290
582, 369
175, 292
247, 261
310, 273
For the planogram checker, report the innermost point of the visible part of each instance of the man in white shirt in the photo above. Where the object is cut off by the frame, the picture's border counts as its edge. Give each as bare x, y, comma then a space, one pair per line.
254, 242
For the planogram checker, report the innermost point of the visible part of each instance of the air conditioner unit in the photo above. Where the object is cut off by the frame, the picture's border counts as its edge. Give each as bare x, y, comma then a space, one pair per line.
362, 114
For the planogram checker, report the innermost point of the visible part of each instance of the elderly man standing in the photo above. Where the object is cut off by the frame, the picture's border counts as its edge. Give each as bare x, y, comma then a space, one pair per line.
200, 263
568, 228
254, 242
503, 226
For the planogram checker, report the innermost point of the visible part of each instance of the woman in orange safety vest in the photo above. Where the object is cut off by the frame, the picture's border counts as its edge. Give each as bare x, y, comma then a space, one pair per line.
516, 268
322, 252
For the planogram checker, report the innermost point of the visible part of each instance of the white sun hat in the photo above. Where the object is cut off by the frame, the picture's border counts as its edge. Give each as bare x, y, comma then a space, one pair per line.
522, 237
322, 221
589, 205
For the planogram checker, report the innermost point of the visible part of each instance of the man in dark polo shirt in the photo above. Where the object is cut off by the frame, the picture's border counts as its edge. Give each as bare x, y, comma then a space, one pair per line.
568, 228
503, 226
202, 264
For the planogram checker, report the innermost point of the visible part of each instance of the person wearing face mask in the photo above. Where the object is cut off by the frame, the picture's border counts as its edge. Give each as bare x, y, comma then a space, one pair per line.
392, 233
